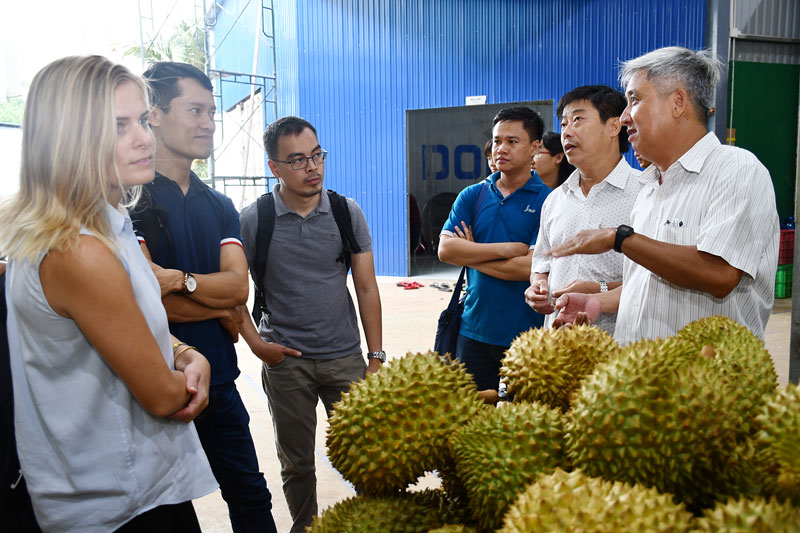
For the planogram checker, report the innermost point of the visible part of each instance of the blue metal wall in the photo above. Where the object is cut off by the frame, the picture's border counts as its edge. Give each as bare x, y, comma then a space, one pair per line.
352, 68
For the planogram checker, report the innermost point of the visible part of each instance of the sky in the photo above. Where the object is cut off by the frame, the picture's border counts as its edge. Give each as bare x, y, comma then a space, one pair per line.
35, 32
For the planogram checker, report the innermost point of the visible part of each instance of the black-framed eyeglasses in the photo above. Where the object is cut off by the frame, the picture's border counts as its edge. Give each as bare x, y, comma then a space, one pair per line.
301, 162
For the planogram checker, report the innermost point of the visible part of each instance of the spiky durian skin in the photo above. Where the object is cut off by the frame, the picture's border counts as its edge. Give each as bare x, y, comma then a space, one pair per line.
741, 359
660, 417
750, 516
450, 510
368, 514
501, 451
547, 365
778, 441
453, 528
573, 501
393, 426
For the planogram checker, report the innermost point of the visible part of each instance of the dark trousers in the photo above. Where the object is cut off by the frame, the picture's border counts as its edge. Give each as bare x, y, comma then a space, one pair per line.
178, 518
225, 435
482, 361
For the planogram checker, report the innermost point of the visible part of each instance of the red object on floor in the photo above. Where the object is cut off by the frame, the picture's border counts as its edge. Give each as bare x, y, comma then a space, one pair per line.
786, 251
413, 285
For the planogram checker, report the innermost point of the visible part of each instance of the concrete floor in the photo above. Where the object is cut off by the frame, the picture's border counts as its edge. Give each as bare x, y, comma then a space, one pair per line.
409, 325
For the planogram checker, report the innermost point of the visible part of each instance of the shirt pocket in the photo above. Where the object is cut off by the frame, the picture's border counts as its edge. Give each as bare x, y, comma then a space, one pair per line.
679, 232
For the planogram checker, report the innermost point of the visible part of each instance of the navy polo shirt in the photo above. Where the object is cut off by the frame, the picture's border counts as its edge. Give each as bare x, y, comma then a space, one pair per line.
495, 311
199, 224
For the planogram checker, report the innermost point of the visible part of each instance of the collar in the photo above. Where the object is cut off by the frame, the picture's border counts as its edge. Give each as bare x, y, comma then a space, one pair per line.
195, 183
534, 184
116, 219
324, 205
618, 177
692, 161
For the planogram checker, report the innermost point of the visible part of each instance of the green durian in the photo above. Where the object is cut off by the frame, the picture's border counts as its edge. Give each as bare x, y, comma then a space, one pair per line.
501, 451
778, 442
659, 416
740, 357
393, 426
575, 502
399, 513
750, 516
450, 510
454, 528
547, 365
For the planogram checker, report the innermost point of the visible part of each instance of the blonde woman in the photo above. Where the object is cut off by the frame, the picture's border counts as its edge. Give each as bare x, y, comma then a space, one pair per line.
101, 413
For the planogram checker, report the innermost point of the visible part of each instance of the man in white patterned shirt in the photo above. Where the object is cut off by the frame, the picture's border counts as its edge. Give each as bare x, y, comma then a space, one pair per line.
704, 231
599, 194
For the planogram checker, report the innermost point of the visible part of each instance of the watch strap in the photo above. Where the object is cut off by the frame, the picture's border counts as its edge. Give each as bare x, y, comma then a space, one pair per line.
623, 232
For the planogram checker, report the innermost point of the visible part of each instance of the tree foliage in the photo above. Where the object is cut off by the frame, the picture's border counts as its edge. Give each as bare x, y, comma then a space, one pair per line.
186, 44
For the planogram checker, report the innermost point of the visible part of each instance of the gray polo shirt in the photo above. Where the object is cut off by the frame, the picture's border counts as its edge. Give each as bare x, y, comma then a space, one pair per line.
306, 288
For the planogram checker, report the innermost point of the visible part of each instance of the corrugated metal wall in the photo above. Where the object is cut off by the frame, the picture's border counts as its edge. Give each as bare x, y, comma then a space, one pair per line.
352, 68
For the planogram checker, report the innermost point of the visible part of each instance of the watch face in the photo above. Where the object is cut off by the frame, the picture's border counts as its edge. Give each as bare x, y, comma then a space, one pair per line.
191, 284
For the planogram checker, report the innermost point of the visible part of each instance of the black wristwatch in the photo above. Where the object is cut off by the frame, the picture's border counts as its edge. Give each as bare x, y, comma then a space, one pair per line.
380, 356
623, 232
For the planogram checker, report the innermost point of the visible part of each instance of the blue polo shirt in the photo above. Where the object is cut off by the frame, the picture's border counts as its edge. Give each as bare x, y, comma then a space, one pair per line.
199, 224
495, 311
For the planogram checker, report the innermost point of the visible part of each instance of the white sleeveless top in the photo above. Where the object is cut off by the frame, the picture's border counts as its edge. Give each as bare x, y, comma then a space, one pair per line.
92, 457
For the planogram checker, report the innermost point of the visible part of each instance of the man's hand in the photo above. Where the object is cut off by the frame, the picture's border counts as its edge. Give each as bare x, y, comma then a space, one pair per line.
272, 353
593, 241
538, 297
577, 309
374, 365
169, 279
465, 232
231, 320
198, 375
579, 285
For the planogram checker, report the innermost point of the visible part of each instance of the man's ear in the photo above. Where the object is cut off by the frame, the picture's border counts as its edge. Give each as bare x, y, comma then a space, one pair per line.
535, 146
680, 103
155, 116
614, 126
274, 168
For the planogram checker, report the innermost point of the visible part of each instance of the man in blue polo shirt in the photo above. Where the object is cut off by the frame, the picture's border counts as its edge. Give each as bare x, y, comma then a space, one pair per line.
497, 246
191, 233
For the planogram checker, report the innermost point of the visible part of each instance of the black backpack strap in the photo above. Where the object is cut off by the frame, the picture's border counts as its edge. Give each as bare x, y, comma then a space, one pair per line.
341, 214
265, 207
150, 220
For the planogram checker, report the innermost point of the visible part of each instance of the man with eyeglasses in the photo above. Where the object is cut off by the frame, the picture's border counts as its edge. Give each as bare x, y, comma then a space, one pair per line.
191, 234
309, 339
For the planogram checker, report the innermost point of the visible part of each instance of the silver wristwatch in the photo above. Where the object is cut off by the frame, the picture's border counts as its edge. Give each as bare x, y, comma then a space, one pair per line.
380, 356
603, 286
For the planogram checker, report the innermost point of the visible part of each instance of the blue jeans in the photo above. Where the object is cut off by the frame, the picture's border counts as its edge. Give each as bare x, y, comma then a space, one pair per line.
482, 361
225, 435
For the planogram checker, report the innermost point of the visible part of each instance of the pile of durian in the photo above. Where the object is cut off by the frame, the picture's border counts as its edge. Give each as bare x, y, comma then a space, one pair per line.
690, 433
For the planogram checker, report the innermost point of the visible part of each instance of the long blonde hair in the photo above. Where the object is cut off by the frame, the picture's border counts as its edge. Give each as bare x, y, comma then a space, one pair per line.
68, 158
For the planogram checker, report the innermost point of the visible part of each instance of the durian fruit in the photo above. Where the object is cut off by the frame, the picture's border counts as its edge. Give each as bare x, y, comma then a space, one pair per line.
393, 426
575, 502
547, 365
740, 357
658, 416
501, 451
454, 528
368, 514
448, 509
750, 516
778, 442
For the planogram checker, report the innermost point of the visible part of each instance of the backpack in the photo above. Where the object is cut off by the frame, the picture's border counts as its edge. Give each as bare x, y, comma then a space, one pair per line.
265, 207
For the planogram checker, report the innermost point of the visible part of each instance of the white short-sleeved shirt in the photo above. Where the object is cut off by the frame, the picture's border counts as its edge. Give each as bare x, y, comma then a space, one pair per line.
566, 212
720, 199
92, 457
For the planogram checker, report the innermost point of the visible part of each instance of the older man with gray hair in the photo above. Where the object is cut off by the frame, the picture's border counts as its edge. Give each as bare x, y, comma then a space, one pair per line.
704, 229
